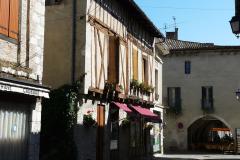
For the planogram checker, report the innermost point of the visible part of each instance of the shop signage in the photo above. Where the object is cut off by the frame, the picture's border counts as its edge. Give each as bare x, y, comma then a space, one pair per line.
238, 140
4, 87
34, 91
30, 92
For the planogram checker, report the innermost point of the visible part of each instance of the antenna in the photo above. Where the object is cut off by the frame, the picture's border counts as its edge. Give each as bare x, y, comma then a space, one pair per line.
175, 23
165, 27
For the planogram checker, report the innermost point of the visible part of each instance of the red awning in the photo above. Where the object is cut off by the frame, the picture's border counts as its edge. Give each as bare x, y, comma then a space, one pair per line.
122, 106
144, 111
147, 113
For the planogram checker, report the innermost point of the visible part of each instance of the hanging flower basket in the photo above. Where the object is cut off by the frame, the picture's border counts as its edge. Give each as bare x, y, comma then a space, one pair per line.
88, 120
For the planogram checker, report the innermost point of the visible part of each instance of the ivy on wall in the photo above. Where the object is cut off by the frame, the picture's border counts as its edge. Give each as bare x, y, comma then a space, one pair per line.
59, 116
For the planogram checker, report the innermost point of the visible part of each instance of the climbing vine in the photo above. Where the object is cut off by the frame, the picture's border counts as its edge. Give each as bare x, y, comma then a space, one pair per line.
59, 116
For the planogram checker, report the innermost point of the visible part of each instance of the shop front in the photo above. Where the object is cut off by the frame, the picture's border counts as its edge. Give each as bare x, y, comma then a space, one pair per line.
20, 119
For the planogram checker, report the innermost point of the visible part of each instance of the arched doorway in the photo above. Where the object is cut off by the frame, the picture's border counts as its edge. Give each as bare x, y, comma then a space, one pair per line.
210, 134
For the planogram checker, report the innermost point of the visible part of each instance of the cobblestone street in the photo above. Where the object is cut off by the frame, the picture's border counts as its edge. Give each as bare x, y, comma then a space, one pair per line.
195, 156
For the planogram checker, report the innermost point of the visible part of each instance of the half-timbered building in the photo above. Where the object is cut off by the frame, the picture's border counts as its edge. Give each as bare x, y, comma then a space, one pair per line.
110, 44
21, 67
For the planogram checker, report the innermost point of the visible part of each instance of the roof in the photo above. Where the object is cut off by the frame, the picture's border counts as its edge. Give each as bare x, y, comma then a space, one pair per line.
210, 48
173, 44
142, 18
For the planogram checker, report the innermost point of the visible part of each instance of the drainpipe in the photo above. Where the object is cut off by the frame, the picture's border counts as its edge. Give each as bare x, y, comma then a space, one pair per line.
28, 34
74, 26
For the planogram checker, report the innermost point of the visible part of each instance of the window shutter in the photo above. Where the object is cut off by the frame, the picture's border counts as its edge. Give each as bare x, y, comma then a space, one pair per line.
204, 90
210, 90
4, 17
113, 64
168, 96
135, 64
178, 105
14, 16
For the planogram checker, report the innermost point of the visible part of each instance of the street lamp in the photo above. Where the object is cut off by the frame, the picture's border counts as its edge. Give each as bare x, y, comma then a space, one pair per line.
235, 21
238, 94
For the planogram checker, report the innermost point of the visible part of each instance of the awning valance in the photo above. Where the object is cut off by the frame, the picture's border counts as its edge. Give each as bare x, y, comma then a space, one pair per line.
147, 114
122, 106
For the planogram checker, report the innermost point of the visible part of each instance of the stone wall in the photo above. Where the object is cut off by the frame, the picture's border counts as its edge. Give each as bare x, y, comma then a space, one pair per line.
219, 69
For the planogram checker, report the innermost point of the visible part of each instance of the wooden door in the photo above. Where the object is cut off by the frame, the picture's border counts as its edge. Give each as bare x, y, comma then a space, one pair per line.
100, 131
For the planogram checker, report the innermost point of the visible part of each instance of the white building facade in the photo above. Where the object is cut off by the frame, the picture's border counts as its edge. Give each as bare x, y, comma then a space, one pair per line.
199, 88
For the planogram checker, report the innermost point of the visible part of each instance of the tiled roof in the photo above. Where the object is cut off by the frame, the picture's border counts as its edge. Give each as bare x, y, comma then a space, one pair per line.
173, 44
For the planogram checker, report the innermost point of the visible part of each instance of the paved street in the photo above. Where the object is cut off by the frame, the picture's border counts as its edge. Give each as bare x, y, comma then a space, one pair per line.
195, 156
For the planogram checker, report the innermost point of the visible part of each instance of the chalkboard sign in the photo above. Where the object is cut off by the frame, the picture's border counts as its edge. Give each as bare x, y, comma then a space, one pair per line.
238, 140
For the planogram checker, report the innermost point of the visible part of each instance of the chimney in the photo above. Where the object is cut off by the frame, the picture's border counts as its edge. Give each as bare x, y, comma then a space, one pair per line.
172, 35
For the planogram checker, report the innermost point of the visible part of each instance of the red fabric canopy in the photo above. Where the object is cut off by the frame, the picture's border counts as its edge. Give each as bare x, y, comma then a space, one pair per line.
145, 112
122, 106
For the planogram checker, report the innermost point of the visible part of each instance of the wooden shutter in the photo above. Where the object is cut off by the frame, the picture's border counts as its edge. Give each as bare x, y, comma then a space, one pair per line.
113, 63
135, 64
178, 104
100, 131
145, 70
14, 17
4, 16
204, 93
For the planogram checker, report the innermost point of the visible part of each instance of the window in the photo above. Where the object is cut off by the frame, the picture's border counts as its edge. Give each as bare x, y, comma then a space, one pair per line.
174, 98
113, 61
52, 2
207, 98
187, 67
9, 17
145, 70
135, 64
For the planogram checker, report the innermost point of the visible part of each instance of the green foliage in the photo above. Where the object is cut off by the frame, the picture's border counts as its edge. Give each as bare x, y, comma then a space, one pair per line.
59, 116
125, 123
134, 84
88, 120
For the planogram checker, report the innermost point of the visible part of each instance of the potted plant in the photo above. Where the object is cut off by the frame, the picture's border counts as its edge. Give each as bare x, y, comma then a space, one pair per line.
88, 120
119, 88
148, 126
134, 84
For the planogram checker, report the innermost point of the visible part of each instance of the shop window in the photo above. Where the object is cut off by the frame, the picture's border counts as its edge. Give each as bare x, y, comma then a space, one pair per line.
9, 18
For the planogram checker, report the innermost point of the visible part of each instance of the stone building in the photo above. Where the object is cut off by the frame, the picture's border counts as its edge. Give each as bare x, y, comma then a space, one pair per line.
111, 45
200, 83
21, 67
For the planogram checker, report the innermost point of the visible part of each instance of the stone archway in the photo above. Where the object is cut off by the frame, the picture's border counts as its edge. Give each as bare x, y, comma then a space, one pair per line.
210, 134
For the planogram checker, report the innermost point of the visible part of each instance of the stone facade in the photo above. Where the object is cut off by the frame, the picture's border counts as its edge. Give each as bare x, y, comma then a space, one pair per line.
95, 26
216, 67
21, 68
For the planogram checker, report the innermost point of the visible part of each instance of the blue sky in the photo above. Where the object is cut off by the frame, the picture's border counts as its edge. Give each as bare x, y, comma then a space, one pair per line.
197, 20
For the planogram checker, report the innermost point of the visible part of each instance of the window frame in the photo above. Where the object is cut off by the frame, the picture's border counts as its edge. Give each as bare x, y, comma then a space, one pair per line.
177, 103
7, 37
187, 67
207, 98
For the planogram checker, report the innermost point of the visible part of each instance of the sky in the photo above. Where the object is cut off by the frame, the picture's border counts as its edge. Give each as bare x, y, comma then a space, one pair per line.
205, 21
